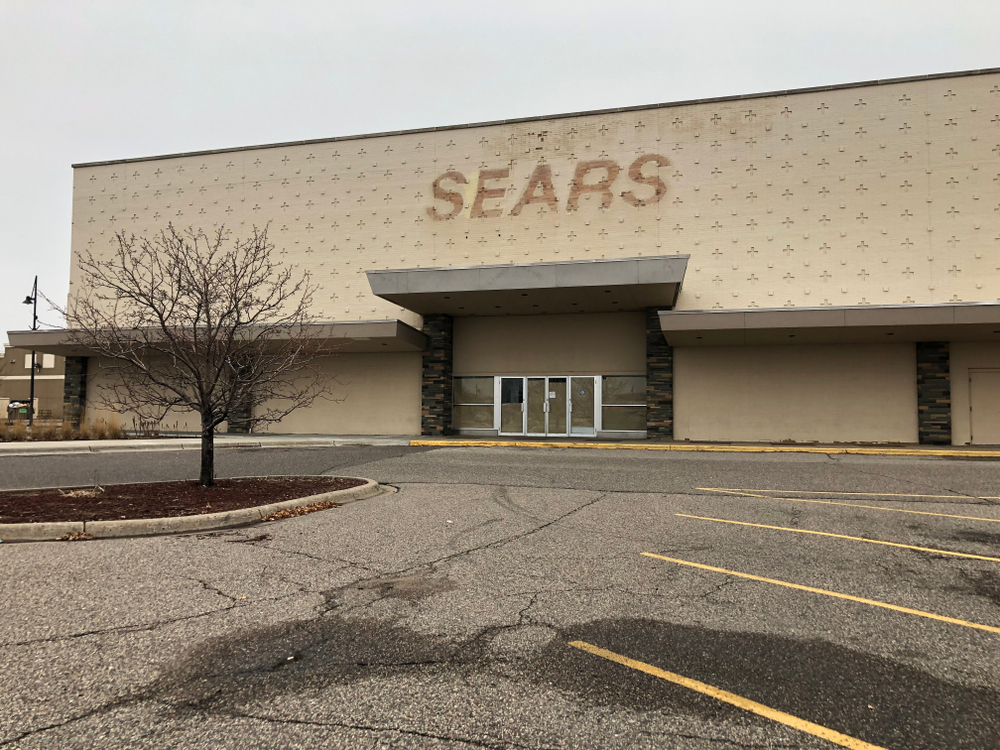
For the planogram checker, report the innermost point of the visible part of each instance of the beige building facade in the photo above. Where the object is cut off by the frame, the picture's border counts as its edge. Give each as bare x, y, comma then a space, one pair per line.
812, 265
15, 384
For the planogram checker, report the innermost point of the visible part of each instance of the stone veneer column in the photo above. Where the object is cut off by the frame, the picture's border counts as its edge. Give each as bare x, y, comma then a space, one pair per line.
659, 380
239, 420
436, 382
75, 390
934, 392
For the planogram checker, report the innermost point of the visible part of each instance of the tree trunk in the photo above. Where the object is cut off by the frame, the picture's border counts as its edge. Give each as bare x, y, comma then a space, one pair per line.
207, 478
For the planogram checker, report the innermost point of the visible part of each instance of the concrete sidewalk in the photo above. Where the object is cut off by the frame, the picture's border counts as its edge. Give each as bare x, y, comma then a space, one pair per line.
947, 451
224, 442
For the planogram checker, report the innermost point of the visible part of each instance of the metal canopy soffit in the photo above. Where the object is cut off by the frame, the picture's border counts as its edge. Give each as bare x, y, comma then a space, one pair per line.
974, 321
344, 336
604, 285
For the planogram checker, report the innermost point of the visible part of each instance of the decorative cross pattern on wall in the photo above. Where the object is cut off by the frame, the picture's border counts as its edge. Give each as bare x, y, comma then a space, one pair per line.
839, 197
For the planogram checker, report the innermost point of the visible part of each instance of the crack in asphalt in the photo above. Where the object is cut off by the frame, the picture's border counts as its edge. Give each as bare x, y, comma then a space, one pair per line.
97, 711
494, 745
406, 451
330, 560
718, 740
431, 565
236, 602
123, 629
925, 485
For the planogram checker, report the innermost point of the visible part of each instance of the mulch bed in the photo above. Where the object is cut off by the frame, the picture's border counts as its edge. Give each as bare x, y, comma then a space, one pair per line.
159, 499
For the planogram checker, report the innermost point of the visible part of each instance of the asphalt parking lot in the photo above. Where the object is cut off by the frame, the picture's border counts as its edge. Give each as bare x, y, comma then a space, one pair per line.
523, 598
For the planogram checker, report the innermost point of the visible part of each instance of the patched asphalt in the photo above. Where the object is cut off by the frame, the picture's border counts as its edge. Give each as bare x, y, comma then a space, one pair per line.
440, 615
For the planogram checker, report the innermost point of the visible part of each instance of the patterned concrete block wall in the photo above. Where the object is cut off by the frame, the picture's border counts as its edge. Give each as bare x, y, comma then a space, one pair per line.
436, 383
75, 390
868, 194
659, 380
934, 392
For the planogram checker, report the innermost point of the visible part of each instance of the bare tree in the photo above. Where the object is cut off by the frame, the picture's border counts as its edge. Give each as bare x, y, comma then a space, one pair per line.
192, 322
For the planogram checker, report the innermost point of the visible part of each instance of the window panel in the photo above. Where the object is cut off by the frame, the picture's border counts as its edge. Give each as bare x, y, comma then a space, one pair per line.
623, 418
473, 390
628, 389
473, 415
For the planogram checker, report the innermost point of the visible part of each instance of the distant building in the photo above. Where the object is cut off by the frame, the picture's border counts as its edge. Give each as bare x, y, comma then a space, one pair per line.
820, 264
15, 383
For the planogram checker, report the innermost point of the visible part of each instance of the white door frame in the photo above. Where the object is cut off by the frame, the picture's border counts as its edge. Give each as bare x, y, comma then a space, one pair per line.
524, 405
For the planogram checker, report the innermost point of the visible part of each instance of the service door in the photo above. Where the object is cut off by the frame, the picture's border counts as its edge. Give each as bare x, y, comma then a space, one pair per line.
984, 405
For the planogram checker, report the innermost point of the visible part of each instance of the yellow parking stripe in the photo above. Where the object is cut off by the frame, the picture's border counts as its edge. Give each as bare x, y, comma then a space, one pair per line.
844, 536
731, 698
855, 494
744, 493
826, 592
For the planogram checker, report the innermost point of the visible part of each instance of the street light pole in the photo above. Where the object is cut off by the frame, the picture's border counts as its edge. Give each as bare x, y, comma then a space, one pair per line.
33, 301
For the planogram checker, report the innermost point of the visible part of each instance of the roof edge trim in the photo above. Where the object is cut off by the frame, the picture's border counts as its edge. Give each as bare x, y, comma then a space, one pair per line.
542, 118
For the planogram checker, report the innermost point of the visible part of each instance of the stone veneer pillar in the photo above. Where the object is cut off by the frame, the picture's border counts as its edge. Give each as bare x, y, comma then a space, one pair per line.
436, 382
239, 420
75, 390
659, 380
934, 392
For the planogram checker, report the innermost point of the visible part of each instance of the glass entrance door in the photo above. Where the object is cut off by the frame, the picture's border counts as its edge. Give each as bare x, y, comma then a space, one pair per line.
512, 406
582, 406
536, 406
557, 406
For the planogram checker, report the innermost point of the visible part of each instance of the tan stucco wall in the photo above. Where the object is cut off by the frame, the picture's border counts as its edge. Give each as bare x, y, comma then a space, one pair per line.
376, 394
373, 394
966, 355
15, 382
99, 378
584, 344
801, 393
876, 194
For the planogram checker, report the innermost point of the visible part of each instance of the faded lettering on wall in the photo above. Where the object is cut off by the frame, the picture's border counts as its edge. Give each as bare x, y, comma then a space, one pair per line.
597, 177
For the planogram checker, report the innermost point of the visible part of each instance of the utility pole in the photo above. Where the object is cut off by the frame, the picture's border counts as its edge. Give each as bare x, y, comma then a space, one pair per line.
32, 299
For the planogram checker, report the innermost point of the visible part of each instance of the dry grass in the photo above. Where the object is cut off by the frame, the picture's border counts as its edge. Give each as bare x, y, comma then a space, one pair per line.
46, 431
83, 492
76, 536
116, 430
301, 510
101, 429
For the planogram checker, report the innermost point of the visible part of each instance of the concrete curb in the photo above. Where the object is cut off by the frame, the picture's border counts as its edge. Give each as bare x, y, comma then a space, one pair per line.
41, 532
712, 448
63, 448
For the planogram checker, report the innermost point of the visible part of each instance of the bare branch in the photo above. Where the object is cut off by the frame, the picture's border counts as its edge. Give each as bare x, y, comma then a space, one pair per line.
187, 321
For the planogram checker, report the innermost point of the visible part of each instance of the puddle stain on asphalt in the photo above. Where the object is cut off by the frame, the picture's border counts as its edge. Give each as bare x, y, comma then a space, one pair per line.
408, 587
979, 537
862, 695
985, 583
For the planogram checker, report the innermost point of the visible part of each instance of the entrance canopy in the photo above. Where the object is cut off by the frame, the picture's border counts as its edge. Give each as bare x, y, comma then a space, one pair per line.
343, 337
600, 285
973, 321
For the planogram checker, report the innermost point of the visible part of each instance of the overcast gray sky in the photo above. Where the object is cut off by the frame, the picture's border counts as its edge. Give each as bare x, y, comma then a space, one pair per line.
89, 80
